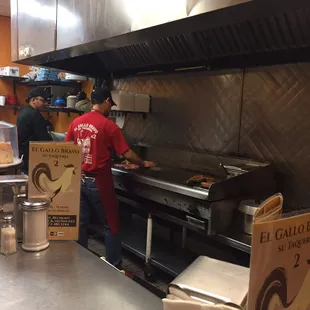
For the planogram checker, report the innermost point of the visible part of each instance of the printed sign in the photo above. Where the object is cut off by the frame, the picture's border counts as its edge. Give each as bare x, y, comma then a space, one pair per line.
55, 174
280, 259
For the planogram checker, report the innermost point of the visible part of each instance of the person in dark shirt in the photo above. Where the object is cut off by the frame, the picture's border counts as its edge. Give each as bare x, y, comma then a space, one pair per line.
31, 125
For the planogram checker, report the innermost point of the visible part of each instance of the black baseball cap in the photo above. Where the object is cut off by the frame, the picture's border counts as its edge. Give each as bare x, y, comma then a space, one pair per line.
101, 94
39, 92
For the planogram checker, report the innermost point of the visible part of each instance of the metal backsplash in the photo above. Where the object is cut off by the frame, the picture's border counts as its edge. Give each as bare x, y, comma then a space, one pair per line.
202, 112
197, 111
276, 126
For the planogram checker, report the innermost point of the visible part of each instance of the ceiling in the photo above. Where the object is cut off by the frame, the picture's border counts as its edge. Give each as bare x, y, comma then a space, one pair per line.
5, 7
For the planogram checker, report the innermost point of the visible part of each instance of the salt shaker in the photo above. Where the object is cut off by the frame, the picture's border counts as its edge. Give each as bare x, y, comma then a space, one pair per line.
8, 236
35, 224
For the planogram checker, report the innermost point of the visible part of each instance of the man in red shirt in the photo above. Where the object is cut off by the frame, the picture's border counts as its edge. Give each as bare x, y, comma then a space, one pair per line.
98, 136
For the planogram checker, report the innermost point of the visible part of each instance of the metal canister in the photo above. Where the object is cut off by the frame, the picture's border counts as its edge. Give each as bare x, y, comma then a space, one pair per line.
35, 224
247, 210
18, 215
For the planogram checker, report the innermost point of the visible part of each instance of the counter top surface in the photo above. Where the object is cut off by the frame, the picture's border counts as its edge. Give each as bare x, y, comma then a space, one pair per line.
67, 276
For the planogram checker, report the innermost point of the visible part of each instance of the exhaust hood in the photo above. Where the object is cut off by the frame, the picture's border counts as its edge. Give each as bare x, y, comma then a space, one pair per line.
123, 37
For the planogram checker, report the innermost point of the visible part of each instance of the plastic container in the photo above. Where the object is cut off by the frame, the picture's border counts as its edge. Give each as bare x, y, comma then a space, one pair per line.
35, 224
60, 102
71, 101
11, 99
8, 144
2, 101
8, 236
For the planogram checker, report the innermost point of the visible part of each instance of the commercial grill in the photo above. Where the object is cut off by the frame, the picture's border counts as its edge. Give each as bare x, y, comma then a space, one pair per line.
206, 209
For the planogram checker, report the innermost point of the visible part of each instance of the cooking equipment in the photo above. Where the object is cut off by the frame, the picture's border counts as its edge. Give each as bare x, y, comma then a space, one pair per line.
210, 34
210, 208
247, 210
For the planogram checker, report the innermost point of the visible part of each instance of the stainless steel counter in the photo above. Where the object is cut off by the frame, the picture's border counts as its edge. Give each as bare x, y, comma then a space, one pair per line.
66, 276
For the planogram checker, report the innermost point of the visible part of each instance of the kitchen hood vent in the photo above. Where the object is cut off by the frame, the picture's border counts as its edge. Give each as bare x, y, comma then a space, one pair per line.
259, 32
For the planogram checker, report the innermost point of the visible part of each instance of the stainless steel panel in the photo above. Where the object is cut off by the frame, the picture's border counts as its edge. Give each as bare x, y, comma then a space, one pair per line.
198, 111
67, 276
195, 7
36, 27
84, 21
14, 33
275, 125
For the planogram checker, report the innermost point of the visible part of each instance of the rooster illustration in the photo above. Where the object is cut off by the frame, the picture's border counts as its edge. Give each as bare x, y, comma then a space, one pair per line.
42, 180
273, 294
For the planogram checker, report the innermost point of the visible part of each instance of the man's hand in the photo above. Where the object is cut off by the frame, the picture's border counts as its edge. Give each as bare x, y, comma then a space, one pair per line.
148, 164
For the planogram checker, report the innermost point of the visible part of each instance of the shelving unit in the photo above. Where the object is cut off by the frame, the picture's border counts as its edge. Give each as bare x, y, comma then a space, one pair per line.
52, 83
14, 79
48, 109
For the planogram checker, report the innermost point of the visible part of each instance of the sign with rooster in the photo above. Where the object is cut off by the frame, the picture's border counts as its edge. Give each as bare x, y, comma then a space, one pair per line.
280, 258
55, 174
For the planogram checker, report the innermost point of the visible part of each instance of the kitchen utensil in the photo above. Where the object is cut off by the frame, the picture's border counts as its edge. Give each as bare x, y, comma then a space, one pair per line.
2, 101
247, 210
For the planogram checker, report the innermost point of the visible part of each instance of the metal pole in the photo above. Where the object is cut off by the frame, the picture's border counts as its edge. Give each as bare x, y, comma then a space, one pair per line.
184, 235
148, 272
149, 239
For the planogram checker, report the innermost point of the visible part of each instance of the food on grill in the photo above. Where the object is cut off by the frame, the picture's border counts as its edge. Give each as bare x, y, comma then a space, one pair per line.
198, 180
6, 153
127, 165
205, 184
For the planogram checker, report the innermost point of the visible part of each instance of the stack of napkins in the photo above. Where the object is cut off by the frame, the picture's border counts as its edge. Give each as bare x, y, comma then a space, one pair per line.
209, 284
170, 304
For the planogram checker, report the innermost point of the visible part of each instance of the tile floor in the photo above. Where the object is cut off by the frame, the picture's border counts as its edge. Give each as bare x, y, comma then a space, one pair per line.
134, 265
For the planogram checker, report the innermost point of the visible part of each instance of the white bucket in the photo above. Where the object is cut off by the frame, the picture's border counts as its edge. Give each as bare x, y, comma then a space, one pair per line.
2, 101
71, 101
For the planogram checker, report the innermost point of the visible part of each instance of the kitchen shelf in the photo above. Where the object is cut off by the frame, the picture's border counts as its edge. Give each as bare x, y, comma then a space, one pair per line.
49, 109
52, 83
12, 78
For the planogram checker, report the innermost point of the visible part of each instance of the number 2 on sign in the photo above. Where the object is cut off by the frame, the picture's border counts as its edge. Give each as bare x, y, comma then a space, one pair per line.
296, 259
56, 163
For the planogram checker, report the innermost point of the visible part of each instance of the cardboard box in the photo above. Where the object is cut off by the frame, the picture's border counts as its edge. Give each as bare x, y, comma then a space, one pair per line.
55, 173
9, 71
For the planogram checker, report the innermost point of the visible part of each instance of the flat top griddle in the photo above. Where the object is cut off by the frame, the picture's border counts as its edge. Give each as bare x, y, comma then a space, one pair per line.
167, 178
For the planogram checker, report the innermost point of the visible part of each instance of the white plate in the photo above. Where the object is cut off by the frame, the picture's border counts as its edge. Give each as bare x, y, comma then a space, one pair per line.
16, 162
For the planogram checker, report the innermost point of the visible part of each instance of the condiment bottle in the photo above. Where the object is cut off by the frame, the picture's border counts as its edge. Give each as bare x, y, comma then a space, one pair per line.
35, 224
8, 236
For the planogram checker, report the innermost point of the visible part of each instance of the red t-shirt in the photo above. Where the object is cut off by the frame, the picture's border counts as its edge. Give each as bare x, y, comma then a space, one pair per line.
98, 136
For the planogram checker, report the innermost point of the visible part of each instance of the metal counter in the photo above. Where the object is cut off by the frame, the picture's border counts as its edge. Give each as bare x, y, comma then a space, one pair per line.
67, 276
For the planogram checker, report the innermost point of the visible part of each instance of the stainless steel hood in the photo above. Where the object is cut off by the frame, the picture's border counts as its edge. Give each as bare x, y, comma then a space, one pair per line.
122, 37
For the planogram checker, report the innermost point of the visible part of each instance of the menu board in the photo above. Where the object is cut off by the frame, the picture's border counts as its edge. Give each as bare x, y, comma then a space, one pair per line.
280, 259
55, 174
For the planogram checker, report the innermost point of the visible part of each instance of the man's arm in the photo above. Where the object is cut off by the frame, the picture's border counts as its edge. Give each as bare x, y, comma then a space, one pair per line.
121, 147
131, 156
69, 136
40, 129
